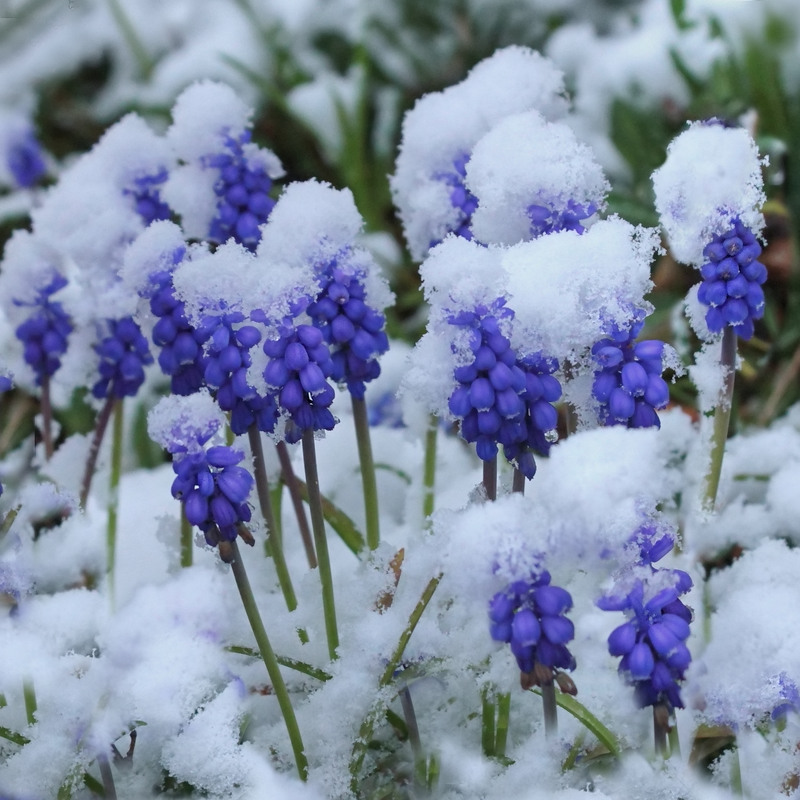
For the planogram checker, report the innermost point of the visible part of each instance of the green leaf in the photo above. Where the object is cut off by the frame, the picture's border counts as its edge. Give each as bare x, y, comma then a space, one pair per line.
587, 719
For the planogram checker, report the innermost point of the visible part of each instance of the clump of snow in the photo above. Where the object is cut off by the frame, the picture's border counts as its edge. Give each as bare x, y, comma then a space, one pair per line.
525, 160
711, 177
181, 424
445, 126
156, 250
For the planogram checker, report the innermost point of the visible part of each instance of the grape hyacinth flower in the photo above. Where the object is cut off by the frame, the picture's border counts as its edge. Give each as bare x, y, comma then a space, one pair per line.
352, 329
298, 369
628, 384
45, 332
242, 190
221, 187
124, 353
147, 197
461, 199
732, 278
24, 159
530, 616
652, 643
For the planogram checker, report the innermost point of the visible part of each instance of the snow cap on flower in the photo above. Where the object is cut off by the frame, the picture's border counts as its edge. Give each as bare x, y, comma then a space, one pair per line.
711, 177
91, 214
209, 123
532, 177
154, 253
441, 130
567, 288
185, 424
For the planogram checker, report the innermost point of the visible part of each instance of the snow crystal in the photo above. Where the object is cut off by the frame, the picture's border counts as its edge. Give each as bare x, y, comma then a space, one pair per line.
525, 160
712, 176
152, 252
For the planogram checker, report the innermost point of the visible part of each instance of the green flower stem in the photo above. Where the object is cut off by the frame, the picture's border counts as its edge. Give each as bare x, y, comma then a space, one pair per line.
674, 741
94, 448
429, 474
518, 482
47, 418
265, 503
187, 540
736, 773
285, 661
109, 789
660, 730
270, 661
361, 744
490, 478
368, 480
501, 730
132, 39
320, 541
29, 697
488, 738
722, 416
113, 495
290, 479
411, 724
550, 709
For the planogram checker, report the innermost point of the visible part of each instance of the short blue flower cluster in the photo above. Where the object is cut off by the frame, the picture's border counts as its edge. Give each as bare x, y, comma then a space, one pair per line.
226, 363
214, 491
499, 398
530, 616
628, 384
243, 191
461, 198
44, 334
545, 219
298, 369
123, 356
732, 278
147, 197
25, 161
353, 330
652, 643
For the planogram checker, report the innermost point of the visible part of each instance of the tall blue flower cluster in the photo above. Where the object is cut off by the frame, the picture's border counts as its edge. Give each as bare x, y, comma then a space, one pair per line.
500, 399
298, 367
628, 383
732, 278
461, 198
242, 189
180, 344
214, 492
25, 161
123, 355
353, 330
226, 363
652, 642
147, 197
530, 615
44, 334
545, 219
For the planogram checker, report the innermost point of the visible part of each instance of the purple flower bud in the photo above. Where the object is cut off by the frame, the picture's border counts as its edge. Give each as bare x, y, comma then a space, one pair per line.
525, 628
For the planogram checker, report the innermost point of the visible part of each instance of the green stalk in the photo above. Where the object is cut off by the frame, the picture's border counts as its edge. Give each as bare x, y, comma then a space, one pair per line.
518, 482
722, 416
488, 740
503, 714
265, 503
429, 474
29, 697
320, 541
736, 773
420, 762
290, 479
94, 448
187, 540
659, 732
47, 418
270, 661
368, 480
550, 707
109, 789
113, 496
490, 478
143, 60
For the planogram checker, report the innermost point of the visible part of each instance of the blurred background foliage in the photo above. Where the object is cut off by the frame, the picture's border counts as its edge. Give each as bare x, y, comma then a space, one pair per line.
374, 60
